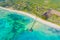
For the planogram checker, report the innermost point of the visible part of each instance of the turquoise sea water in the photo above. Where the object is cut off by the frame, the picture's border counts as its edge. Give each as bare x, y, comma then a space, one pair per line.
15, 26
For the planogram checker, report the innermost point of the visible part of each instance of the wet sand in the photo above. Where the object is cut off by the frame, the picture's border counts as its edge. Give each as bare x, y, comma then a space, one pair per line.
36, 18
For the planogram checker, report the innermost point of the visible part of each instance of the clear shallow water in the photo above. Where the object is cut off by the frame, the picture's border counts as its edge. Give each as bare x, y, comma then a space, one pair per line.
15, 26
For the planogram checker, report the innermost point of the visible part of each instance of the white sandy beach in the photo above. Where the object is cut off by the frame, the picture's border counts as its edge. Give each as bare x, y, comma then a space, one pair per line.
36, 18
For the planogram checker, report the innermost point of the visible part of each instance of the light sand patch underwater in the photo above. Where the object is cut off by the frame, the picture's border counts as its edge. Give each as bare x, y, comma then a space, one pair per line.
17, 26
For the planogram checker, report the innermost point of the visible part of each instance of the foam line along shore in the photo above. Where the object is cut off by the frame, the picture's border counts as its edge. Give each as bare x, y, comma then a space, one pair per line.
34, 17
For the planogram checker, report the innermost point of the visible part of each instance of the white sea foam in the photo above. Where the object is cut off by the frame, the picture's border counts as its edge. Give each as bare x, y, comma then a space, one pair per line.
34, 17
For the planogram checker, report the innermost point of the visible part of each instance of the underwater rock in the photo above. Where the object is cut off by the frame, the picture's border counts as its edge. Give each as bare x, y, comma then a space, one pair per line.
13, 26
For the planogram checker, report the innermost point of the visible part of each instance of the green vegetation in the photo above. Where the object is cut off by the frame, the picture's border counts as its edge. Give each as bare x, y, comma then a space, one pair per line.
35, 7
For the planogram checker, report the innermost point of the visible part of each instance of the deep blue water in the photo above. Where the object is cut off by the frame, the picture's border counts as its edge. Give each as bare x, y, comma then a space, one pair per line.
15, 26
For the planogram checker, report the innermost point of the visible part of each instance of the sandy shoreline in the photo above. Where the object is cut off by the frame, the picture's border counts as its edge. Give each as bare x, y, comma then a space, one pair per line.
34, 17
